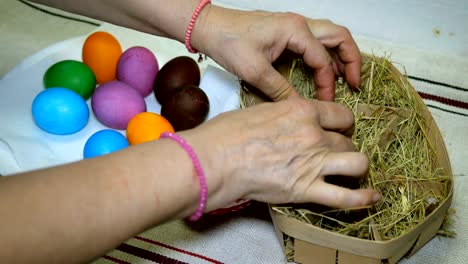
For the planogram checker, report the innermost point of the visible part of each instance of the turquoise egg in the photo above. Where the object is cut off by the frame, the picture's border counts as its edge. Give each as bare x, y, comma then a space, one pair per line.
104, 142
60, 111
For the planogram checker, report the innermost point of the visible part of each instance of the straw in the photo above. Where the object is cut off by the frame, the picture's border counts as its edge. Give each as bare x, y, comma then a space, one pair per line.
390, 128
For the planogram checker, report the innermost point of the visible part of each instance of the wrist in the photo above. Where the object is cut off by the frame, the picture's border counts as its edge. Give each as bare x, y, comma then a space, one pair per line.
204, 28
220, 162
215, 167
199, 172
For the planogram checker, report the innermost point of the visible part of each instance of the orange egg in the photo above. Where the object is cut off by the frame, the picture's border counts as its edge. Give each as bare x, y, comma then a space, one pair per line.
147, 126
101, 52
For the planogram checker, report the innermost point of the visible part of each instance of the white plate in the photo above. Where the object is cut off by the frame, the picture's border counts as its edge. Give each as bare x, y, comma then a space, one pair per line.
23, 146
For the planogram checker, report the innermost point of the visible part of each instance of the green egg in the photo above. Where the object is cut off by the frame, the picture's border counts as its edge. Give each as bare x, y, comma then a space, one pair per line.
73, 75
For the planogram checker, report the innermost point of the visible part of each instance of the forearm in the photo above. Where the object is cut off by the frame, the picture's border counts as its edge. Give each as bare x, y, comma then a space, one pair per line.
87, 208
155, 16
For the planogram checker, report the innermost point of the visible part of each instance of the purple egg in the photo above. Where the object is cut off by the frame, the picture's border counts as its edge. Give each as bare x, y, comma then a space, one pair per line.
115, 103
138, 67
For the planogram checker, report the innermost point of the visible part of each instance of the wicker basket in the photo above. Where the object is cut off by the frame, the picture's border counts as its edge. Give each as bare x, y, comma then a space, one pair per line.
312, 244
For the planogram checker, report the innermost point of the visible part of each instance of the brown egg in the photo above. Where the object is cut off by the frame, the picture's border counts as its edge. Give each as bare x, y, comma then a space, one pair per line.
186, 107
175, 73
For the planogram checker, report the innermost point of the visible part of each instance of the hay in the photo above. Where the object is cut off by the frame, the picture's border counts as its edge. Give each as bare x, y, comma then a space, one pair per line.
390, 128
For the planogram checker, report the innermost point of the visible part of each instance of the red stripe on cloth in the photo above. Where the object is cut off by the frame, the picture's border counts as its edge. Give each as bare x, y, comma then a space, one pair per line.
145, 254
178, 250
116, 260
444, 100
230, 209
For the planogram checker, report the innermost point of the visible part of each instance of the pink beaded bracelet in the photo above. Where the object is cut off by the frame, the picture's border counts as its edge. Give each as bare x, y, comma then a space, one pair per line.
198, 168
188, 33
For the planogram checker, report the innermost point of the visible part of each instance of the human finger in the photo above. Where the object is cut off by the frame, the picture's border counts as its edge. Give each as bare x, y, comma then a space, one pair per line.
336, 117
338, 142
339, 40
353, 164
338, 65
340, 197
349, 57
272, 83
315, 56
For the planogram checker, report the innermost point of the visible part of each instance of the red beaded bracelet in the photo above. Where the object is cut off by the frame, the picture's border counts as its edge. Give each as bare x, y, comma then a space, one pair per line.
188, 33
198, 168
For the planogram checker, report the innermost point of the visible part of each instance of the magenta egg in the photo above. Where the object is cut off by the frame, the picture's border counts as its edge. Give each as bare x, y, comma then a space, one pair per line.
138, 67
115, 103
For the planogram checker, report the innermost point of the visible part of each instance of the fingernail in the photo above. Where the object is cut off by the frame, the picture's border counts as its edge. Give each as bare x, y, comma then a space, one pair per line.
376, 197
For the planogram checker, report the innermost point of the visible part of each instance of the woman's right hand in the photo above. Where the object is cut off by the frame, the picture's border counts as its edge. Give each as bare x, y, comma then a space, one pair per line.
247, 43
280, 153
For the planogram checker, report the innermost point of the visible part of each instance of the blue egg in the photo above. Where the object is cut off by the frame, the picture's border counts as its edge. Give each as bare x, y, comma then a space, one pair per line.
60, 111
104, 142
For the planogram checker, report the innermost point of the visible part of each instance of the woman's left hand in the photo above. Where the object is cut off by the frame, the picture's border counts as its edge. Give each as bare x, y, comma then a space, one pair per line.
247, 43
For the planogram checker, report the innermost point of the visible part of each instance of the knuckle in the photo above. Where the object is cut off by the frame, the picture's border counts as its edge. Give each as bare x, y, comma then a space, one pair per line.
344, 31
341, 200
305, 111
349, 119
348, 116
304, 107
364, 162
312, 135
312, 107
366, 199
296, 19
317, 110
280, 93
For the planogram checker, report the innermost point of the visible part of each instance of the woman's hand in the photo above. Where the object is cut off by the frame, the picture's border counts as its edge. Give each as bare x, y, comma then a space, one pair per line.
280, 153
247, 43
